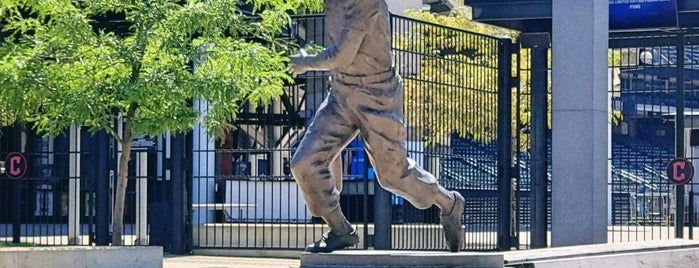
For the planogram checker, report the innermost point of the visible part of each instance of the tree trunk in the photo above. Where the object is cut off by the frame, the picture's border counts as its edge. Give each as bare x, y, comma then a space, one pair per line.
122, 182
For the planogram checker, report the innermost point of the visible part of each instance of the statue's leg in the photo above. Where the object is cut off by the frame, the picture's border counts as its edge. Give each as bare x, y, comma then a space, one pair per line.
318, 172
384, 135
379, 108
314, 163
399, 174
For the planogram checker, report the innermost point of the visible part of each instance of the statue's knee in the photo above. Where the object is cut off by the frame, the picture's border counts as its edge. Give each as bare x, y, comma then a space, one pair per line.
314, 210
296, 166
390, 185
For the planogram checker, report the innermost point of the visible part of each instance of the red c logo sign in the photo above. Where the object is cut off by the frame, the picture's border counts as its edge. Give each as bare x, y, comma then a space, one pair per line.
678, 167
680, 171
15, 165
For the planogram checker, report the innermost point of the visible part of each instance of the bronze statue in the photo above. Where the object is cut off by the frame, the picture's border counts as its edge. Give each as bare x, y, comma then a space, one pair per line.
366, 99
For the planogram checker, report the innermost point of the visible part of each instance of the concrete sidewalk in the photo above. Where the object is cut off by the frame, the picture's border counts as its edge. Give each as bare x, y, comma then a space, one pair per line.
193, 261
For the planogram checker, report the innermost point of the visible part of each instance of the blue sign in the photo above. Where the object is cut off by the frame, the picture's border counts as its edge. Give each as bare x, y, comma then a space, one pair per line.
637, 14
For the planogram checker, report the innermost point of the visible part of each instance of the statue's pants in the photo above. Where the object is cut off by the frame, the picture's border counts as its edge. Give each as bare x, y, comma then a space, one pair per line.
373, 107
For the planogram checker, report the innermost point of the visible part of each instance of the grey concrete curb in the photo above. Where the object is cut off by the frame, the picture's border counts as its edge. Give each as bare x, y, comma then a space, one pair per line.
82, 256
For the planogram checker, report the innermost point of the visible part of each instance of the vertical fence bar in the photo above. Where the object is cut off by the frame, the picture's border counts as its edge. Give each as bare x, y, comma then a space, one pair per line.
16, 146
179, 198
504, 141
519, 198
679, 135
691, 62
102, 156
382, 217
539, 43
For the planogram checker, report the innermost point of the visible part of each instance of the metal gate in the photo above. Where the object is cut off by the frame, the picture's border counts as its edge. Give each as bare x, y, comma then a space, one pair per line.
655, 121
451, 81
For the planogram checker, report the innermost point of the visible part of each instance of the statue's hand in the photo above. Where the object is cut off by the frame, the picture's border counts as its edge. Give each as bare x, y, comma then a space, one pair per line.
298, 63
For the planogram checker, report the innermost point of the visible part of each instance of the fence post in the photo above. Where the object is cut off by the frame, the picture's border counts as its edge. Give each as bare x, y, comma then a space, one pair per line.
178, 244
16, 146
382, 217
504, 141
102, 199
539, 44
679, 136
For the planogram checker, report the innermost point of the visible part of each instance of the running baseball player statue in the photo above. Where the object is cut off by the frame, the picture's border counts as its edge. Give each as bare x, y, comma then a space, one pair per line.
367, 100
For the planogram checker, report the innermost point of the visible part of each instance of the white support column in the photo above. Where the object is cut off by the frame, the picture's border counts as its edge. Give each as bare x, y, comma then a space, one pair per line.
163, 152
203, 164
141, 199
168, 154
579, 83
74, 186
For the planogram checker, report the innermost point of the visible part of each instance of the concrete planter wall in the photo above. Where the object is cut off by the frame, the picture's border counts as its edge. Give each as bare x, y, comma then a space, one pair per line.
81, 256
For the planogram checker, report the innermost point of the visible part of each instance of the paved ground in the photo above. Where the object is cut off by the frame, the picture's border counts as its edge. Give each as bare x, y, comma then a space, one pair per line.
227, 262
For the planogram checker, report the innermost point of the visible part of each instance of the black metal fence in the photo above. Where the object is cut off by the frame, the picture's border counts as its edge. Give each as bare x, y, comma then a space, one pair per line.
35, 208
65, 196
653, 121
241, 195
238, 193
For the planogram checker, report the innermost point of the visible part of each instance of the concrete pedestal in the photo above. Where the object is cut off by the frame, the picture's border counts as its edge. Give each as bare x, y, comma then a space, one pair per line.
394, 259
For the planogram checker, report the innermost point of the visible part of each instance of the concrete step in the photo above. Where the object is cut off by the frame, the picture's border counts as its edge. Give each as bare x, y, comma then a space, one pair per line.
659, 253
399, 259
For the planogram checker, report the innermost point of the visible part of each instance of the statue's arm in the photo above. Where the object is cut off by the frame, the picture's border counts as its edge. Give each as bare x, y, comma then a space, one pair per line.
340, 54
354, 29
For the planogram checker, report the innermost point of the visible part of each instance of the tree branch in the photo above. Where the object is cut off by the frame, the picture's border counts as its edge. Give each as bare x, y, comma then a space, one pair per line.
113, 133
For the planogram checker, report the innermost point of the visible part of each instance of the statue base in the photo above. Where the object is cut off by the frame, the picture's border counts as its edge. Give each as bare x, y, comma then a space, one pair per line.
395, 259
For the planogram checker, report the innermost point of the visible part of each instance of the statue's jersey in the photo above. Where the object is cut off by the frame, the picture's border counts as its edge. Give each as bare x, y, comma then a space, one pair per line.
368, 16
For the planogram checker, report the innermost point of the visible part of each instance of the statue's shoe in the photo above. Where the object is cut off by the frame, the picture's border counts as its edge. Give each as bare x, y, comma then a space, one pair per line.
332, 241
451, 221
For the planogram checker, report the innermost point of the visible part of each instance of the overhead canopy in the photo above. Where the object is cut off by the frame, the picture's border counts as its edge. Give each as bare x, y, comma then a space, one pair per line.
442, 6
660, 72
535, 15
662, 64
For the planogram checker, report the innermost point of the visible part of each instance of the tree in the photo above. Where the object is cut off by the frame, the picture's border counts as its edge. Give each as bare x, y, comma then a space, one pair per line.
67, 62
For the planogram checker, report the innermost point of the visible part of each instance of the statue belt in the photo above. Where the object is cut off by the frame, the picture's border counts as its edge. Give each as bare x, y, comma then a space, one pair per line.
363, 79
